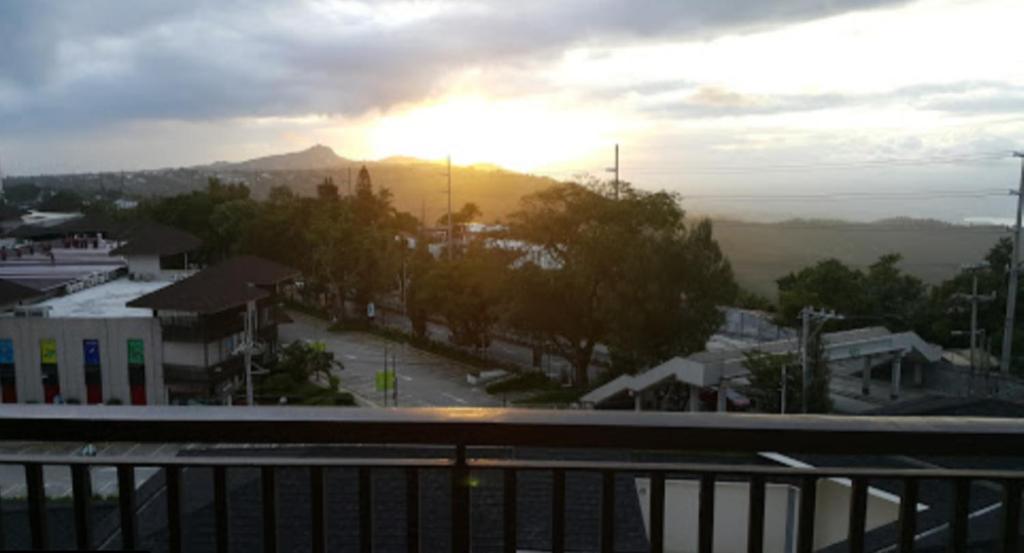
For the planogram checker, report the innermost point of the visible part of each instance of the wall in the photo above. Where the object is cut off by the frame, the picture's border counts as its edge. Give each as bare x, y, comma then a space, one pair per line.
146, 266
781, 501
958, 381
113, 336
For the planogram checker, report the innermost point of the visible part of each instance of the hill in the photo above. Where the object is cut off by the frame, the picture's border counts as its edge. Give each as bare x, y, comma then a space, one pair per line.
932, 250
760, 252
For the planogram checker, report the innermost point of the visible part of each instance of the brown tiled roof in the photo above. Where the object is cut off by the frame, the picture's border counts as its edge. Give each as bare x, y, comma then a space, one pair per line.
224, 286
157, 239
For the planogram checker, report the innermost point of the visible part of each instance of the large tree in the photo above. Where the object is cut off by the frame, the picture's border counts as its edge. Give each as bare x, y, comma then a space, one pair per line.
628, 273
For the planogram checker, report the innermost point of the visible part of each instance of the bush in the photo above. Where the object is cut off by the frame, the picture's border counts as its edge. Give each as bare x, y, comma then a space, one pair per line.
559, 396
114, 401
522, 382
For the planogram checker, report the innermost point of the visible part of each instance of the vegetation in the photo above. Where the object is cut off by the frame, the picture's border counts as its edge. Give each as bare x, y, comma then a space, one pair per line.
766, 377
302, 372
522, 382
628, 273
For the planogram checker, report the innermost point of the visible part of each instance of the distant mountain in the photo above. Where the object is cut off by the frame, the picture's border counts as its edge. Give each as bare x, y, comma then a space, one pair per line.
316, 157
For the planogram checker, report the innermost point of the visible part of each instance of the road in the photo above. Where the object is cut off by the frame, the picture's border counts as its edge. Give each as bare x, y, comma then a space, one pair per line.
424, 379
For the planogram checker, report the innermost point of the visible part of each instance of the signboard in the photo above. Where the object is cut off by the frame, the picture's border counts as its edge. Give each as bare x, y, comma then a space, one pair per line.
371, 310
48, 351
136, 352
385, 381
6, 352
91, 352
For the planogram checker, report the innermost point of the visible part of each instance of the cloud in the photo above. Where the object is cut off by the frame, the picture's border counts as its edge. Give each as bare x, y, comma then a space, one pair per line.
78, 65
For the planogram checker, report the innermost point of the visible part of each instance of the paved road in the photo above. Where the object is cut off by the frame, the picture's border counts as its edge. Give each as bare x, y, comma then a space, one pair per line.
501, 350
424, 379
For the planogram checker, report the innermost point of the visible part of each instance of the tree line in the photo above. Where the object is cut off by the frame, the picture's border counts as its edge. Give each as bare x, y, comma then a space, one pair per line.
571, 269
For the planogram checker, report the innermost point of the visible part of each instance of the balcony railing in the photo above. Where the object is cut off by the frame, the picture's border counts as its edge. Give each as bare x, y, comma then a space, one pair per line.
466, 443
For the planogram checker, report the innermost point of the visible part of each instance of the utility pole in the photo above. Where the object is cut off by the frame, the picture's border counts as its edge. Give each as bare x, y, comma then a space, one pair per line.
1011, 292
450, 235
975, 298
616, 171
807, 316
248, 345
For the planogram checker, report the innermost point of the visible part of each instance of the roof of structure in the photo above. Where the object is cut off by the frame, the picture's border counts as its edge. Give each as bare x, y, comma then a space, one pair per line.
108, 300
12, 292
226, 285
157, 239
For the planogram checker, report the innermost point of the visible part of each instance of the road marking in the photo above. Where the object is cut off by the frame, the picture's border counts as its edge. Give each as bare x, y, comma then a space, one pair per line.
350, 357
405, 378
454, 398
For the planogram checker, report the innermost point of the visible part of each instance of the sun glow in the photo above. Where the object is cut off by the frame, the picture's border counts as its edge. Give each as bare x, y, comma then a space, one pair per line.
524, 134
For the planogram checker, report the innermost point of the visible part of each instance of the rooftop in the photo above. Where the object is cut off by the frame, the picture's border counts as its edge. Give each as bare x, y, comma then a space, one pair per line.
220, 287
157, 239
12, 292
37, 270
104, 301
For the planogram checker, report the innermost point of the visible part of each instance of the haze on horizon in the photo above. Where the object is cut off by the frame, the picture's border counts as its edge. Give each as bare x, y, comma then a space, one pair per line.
856, 109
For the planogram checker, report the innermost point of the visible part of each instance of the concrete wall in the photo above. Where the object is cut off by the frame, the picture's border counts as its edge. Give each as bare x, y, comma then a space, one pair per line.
113, 336
146, 266
781, 504
188, 354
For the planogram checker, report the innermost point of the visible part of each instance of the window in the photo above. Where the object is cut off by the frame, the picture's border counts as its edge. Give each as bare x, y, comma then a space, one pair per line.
93, 374
137, 371
8, 388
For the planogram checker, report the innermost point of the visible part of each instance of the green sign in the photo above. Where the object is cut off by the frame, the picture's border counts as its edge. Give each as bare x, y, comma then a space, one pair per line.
136, 352
385, 381
48, 351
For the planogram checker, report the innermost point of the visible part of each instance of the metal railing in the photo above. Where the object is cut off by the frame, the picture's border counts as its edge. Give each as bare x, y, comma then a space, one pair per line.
464, 435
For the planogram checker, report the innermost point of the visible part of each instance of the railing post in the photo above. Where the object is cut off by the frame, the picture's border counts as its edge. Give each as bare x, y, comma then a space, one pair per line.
220, 507
908, 515
460, 502
557, 511
365, 510
657, 517
317, 512
608, 512
959, 514
706, 514
1011, 516
858, 514
755, 519
81, 485
36, 505
511, 511
268, 491
808, 502
412, 510
126, 503
172, 482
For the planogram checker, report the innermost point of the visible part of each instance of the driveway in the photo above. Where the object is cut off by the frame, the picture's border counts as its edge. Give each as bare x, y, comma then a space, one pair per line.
424, 379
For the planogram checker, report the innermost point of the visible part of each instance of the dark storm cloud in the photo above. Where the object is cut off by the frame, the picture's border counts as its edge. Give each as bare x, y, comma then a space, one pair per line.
68, 65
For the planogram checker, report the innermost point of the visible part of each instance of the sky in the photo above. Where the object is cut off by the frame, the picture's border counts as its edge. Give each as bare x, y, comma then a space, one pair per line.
857, 109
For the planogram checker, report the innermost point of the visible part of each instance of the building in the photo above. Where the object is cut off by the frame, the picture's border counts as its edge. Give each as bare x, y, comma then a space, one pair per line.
201, 318
144, 329
853, 355
158, 252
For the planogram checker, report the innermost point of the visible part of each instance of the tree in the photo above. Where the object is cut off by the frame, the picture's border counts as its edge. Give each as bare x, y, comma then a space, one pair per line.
327, 190
766, 370
62, 200
468, 292
466, 214
300, 370
625, 272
